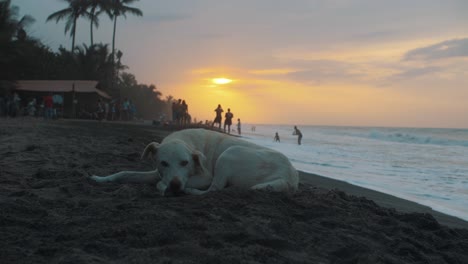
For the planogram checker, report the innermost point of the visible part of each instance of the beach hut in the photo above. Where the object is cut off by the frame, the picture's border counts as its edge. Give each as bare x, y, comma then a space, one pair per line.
79, 97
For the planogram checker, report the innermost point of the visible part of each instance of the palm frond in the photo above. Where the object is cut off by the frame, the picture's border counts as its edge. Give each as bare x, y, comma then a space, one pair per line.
59, 15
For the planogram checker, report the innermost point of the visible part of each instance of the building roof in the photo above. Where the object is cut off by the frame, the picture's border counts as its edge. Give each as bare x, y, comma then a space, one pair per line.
60, 86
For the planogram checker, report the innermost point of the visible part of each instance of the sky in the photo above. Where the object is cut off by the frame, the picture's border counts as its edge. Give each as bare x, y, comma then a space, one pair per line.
399, 63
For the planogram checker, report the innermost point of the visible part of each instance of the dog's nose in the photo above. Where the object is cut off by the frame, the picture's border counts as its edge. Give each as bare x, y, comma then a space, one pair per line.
175, 185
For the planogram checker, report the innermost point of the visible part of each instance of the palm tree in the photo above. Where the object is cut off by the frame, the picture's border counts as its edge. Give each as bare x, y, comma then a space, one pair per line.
75, 9
10, 26
121, 8
13, 46
96, 7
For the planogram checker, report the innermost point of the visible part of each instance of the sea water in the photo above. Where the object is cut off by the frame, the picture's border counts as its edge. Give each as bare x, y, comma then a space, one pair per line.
425, 165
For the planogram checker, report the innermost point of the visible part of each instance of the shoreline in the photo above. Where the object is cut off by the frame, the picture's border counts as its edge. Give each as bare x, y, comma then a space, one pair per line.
382, 199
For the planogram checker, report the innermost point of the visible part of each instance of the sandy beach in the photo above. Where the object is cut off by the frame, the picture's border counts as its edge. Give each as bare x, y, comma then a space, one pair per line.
52, 212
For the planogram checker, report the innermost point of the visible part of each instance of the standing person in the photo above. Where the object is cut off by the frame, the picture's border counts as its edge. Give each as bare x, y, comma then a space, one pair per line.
238, 126
298, 133
15, 106
113, 110
125, 108
58, 105
179, 112
49, 106
106, 110
32, 107
228, 120
219, 110
99, 110
132, 110
184, 113
277, 138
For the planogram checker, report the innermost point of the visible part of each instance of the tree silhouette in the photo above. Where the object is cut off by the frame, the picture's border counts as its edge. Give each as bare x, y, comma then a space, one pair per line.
75, 10
10, 25
121, 8
96, 7
13, 44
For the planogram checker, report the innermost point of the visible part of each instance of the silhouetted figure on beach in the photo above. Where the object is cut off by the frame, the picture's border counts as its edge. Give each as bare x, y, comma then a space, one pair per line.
184, 113
219, 110
228, 120
238, 126
298, 133
277, 138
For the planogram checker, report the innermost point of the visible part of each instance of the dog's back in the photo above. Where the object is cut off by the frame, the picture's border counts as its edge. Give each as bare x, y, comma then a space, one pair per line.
212, 144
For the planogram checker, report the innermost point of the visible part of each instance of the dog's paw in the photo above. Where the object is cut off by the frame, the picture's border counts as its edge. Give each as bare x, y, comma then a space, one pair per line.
98, 178
193, 191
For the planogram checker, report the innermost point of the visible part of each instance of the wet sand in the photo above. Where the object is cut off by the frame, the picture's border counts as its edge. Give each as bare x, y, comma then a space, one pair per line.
52, 213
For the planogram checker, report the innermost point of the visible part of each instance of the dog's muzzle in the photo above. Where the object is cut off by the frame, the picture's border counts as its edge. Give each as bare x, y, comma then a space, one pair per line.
175, 185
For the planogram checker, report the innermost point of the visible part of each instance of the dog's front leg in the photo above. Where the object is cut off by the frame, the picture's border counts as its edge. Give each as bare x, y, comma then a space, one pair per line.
130, 177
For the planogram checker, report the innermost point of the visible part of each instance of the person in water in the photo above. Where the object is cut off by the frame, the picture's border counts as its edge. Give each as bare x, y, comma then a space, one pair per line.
277, 138
298, 133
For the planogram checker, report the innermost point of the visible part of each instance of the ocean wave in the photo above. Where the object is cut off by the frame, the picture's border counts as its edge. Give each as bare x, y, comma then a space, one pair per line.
318, 164
416, 139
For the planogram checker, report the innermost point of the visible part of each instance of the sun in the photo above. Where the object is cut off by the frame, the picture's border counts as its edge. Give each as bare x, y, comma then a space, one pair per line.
221, 80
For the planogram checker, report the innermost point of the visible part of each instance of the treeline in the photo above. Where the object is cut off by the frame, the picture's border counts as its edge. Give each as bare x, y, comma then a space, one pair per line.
25, 58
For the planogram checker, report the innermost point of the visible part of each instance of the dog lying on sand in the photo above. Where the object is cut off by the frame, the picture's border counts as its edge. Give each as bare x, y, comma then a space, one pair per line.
196, 161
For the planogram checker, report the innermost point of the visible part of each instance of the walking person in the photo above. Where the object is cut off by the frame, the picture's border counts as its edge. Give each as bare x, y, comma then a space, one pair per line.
238, 126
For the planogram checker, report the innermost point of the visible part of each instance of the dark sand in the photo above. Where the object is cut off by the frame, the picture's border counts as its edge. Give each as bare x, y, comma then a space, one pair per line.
52, 213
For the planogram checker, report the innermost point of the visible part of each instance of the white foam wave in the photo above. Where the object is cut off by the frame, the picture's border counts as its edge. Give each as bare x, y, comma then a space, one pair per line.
427, 166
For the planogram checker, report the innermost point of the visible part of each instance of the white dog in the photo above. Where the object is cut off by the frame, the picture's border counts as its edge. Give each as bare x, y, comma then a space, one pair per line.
197, 161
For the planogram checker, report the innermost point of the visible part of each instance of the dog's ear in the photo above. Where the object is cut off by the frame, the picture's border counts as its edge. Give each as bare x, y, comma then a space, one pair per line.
150, 150
198, 159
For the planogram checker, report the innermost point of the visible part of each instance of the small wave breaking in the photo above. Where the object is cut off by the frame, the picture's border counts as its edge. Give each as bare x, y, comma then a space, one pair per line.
416, 139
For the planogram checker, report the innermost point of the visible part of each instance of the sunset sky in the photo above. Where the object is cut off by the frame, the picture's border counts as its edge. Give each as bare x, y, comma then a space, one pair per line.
318, 62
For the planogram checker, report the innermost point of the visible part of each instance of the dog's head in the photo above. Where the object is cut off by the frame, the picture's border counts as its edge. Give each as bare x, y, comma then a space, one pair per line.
176, 163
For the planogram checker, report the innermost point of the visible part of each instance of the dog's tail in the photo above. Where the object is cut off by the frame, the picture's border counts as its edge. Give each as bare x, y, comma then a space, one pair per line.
150, 150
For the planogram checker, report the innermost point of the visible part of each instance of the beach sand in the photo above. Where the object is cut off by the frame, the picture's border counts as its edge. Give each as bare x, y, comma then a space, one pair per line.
52, 213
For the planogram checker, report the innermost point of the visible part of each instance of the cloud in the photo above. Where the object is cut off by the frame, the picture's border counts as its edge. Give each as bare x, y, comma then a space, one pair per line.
161, 18
374, 36
446, 49
414, 73
321, 71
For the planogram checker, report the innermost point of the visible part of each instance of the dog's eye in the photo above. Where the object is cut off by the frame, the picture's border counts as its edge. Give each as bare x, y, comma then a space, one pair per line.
183, 163
164, 164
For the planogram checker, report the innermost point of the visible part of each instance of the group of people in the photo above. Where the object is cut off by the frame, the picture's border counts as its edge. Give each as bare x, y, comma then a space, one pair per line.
227, 120
296, 132
114, 110
49, 106
10, 105
180, 114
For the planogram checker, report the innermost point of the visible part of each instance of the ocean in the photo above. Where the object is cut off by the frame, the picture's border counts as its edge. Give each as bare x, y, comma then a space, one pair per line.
424, 165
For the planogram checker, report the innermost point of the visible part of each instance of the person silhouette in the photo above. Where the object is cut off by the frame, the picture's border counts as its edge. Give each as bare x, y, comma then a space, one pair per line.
298, 133
218, 117
277, 138
228, 120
